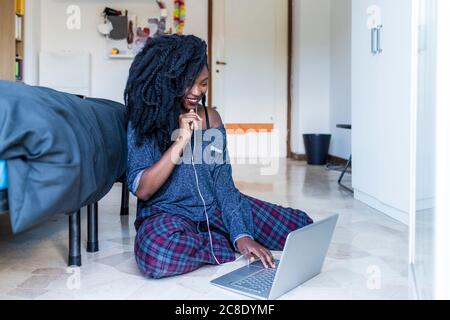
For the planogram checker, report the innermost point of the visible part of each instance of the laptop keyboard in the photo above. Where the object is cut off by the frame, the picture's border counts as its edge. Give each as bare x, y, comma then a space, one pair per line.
258, 282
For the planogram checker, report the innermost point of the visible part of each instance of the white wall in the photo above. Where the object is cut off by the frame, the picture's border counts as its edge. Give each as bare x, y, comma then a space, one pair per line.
32, 40
340, 77
320, 58
311, 70
108, 76
321, 96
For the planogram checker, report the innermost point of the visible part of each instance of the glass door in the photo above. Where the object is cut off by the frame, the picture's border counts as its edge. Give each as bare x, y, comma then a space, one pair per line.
423, 226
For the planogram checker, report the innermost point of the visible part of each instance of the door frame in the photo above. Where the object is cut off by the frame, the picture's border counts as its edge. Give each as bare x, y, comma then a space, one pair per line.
289, 63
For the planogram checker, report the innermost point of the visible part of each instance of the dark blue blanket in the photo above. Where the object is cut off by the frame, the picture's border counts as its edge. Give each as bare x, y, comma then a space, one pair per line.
62, 152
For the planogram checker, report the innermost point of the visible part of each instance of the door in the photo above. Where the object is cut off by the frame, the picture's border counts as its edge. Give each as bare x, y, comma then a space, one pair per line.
249, 63
381, 102
366, 95
395, 105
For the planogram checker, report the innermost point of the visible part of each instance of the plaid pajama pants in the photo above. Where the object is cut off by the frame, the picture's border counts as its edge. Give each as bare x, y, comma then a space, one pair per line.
169, 245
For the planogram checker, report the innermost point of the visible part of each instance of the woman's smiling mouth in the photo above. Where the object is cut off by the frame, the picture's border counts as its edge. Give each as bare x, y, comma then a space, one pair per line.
193, 101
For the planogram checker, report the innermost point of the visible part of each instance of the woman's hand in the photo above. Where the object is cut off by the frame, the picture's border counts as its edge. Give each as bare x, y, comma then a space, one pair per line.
251, 249
188, 123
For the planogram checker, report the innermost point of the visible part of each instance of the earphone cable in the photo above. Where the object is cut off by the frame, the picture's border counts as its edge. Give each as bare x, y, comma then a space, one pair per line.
203, 200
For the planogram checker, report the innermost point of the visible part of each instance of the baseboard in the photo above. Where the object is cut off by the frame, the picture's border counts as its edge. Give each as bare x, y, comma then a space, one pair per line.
374, 203
425, 204
331, 159
338, 161
298, 157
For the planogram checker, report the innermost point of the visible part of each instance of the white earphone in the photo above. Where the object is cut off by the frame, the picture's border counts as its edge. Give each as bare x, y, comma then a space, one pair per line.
204, 208
203, 200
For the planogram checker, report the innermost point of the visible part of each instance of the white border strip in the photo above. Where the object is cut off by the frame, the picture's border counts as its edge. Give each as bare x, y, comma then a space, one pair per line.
413, 129
442, 222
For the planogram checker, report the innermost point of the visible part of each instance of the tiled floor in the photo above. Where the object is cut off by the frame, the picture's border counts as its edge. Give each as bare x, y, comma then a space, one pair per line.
368, 258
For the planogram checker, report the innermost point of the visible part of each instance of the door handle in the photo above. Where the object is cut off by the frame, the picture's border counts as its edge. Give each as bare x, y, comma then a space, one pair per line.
221, 63
379, 50
376, 40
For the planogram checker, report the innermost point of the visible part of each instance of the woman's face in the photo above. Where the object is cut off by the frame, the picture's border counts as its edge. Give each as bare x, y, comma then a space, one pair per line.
195, 94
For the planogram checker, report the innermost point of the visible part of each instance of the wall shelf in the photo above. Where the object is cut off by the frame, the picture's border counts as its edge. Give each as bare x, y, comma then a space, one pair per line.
121, 56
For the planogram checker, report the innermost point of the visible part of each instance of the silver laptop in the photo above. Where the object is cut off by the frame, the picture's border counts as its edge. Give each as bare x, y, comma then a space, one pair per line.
302, 260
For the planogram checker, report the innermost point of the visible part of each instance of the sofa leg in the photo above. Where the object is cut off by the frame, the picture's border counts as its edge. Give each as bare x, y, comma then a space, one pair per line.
92, 221
124, 205
75, 239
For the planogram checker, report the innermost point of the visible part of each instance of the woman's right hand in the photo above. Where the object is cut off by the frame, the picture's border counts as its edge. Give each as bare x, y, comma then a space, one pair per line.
188, 123
251, 249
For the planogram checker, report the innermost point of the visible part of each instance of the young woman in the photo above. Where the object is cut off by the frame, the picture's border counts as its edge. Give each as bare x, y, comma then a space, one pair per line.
189, 213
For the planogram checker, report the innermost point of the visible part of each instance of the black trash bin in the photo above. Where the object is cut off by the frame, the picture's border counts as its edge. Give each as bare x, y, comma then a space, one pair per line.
317, 147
